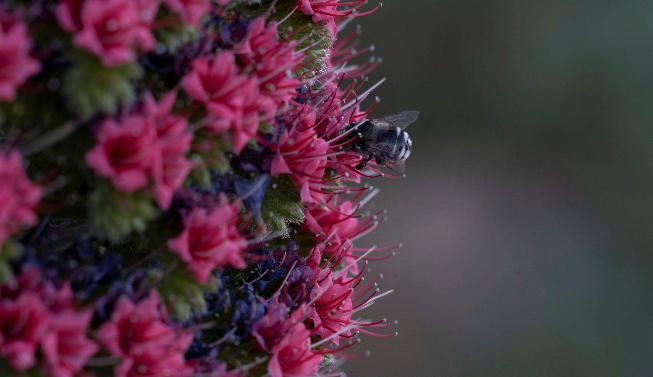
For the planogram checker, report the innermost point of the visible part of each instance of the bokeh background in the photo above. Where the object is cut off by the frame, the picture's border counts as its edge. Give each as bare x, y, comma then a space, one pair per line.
526, 213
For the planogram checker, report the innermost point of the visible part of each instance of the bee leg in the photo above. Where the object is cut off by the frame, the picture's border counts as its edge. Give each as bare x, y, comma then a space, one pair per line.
364, 162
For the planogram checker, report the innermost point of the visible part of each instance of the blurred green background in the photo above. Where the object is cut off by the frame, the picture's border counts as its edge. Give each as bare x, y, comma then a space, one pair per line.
526, 213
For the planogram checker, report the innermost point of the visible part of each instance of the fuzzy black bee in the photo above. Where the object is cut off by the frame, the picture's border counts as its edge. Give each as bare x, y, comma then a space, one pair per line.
384, 140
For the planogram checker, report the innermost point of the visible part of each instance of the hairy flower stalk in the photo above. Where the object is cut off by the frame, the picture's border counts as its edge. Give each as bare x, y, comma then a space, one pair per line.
183, 188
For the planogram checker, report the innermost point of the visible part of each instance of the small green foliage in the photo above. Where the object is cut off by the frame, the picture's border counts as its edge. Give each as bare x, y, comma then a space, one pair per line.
182, 293
90, 87
8, 251
281, 206
115, 214
211, 156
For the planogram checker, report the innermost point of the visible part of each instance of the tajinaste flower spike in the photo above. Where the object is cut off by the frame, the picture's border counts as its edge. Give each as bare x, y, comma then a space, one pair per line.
201, 205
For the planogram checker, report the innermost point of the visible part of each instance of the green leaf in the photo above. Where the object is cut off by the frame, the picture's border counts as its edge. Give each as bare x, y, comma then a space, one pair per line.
182, 294
115, 214
90, 87
8, 252
281, 206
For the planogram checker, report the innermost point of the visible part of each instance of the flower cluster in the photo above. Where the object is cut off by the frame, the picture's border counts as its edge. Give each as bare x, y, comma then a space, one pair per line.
37, 316
200, 203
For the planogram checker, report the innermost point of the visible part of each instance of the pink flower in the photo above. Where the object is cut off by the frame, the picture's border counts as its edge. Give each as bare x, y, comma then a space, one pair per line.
272, 61
332, 306
286, 338
321, 11
125, 152
232, 100
65, 345
273, 325
69, 14
191, 10
18, 196
244, 129
16, 66
23, 322
111, 29
328, 11
216, 83
174, 140
210, 240
334, 225
301, 154
138, 334
292, 355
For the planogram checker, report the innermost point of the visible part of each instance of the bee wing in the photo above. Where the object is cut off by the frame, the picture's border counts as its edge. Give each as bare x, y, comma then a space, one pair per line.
401, 120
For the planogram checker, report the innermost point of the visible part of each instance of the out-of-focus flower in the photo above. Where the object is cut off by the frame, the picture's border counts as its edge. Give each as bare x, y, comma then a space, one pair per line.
272, 61
111, 29
65, 346
18, 196
23, 322
16, 66
210, 240
215, 82
191, 10
245, 127
173, 140
138, 334
125, 152
230, 99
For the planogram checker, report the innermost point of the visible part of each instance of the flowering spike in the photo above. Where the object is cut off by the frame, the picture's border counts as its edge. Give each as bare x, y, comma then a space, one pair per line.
201, 206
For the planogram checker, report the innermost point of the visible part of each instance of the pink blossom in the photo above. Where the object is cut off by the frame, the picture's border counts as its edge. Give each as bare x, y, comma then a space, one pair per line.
216, 83
138, 334
210, 240
329, 11
16, 66
302, 154
173, 139
231, 100
18, 196
292, 355
274, 324
65, 345
244, 129
31, 280
23, 322
111, 29
320, 11
335, 225
69, 14
125, 152
272, 61
191, 10
332, 306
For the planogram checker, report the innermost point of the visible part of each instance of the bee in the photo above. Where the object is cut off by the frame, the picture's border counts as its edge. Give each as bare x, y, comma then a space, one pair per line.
384, 140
